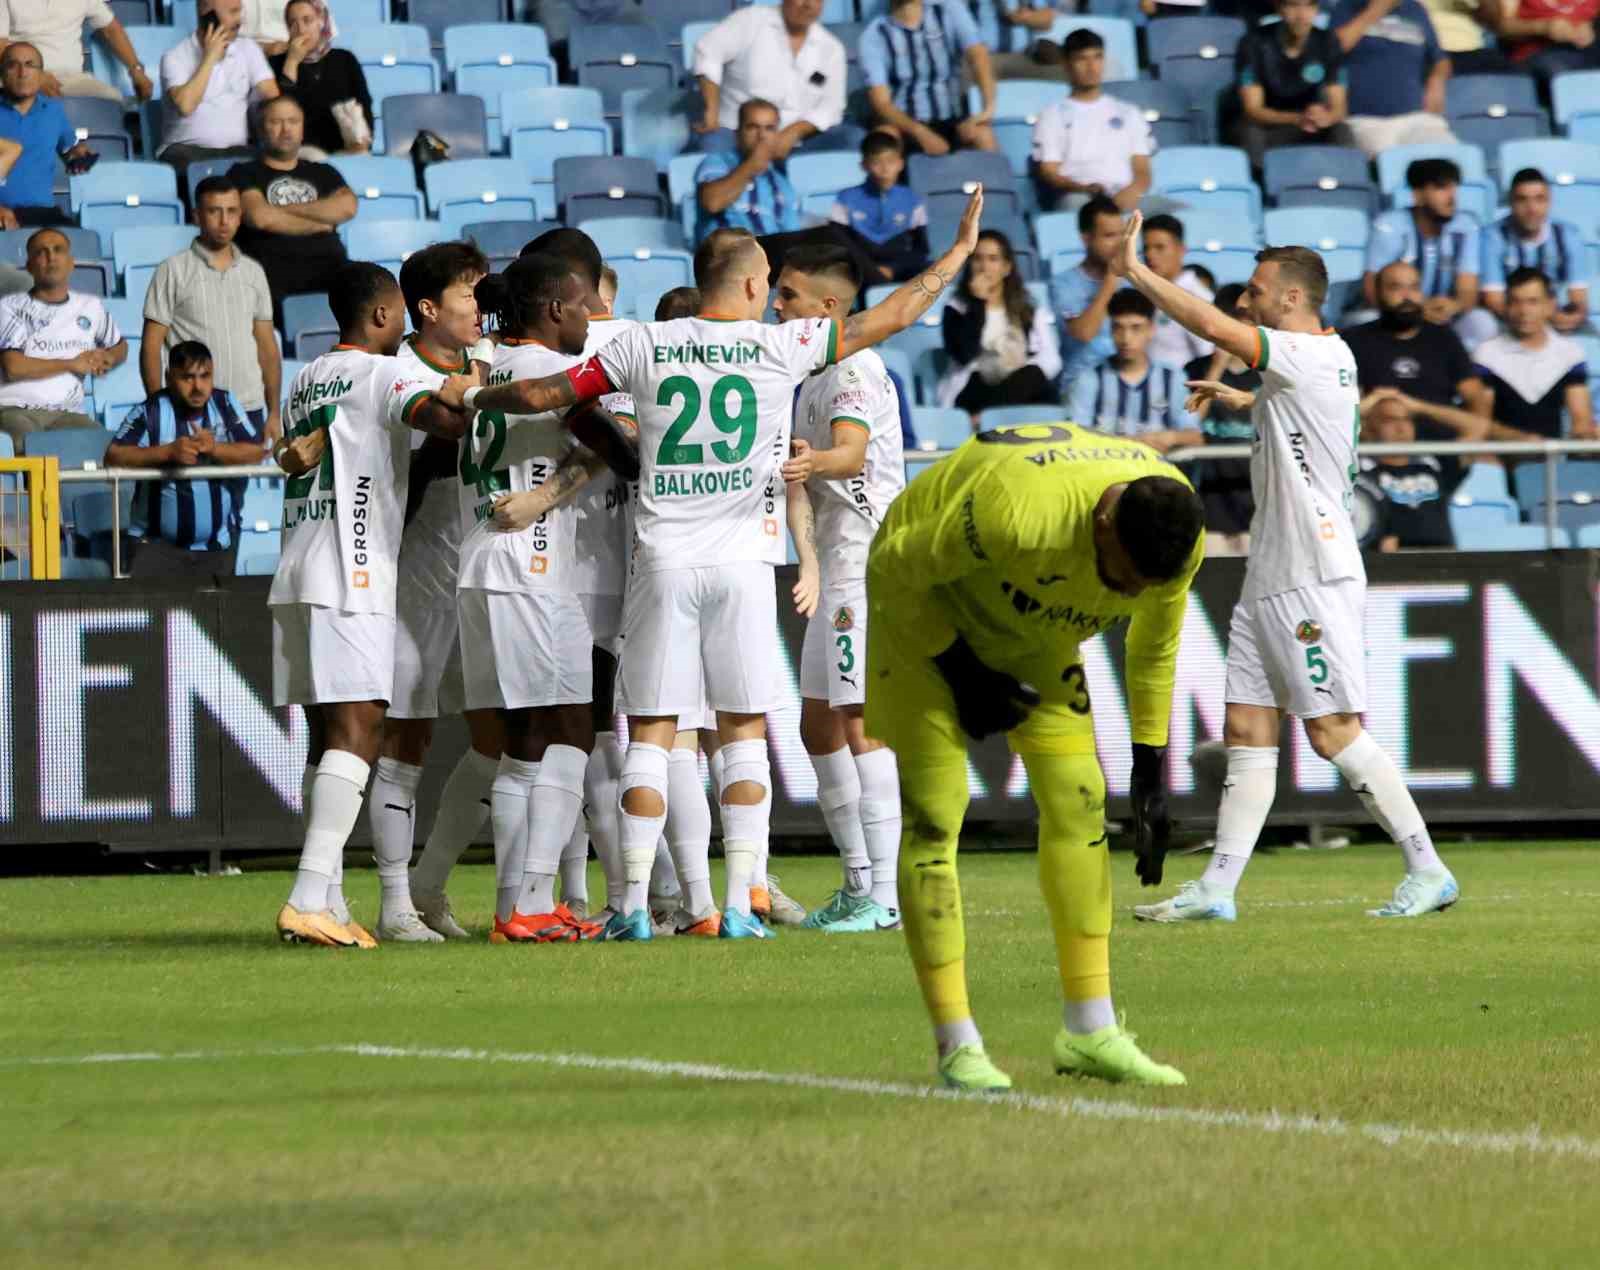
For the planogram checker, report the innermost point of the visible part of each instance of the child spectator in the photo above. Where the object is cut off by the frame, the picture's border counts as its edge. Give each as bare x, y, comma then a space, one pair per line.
1130, 395
891, 218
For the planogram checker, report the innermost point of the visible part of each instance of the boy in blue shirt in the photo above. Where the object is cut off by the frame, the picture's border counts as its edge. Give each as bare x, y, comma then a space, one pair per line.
891, 219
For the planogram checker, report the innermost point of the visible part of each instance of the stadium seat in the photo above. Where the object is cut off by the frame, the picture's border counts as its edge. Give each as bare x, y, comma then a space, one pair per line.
947, 181
1575, 97
1214, 177
117, 392
1572, 514
461, 122
1339, 233
1174, 119
490, 60
503, 240
114, 195
388, 243
73, 448
92, 517
126, 312
1018, 105
258, 553
1319, 176
688, 36
655, 122
1214, 230
554, 123
99, 122
1564, 163
92, 278
818, 178
1579, 204
385, 186
621, 235
199, 170
396, 60
305, 315
1393, 162
1058, 240
134, 12
1489, 109
149, 43
1225, 264
941, 427
465, 190
615, 56
1473, 536
1196, 55
615, 186
681, 191
77, 568
1122, 50
438, 16
137, 252
896, 361
643, 277
1575, 479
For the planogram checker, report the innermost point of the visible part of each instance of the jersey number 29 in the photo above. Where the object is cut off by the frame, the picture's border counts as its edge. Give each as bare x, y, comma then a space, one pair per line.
675, 451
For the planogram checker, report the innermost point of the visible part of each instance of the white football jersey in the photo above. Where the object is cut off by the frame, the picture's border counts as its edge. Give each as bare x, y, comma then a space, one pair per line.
1303, 468
432, 541
342, 522
715, 403
605, 531
856, 392
508, 454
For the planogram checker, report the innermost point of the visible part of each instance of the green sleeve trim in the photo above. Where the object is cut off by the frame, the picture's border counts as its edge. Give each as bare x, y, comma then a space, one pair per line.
853, 422
833, 342
1263, 349
412, 403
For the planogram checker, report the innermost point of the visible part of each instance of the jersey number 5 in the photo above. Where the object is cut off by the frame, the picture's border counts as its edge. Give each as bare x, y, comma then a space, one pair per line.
300, 486
675, 451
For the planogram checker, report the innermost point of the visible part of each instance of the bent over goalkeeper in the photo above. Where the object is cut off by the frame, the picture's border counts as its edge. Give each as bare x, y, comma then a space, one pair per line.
985, 577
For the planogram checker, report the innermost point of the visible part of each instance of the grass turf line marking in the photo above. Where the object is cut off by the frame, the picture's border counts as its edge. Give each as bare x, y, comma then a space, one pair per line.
1532, 1140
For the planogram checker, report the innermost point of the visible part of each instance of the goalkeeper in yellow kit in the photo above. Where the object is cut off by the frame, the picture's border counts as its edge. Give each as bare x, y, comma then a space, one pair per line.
985, 577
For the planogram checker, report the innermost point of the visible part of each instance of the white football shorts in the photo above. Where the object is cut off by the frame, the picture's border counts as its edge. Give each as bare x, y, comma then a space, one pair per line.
833, 660
427, 658
710, 630
321, 656
525, 649
1303, 651
605, 620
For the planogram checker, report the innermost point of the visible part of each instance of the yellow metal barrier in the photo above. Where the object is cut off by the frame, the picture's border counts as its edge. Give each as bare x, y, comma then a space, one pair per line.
30, 519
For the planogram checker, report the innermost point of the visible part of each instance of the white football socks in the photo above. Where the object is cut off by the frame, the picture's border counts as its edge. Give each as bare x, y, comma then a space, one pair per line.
643, 767
952, 1036
508, 807
575, 865
392, 815
1083, 1017
332, 809
880, 822
689, 830
1381, 788
553, 808
463, 807
600, 800
839, 801
1247, 794
745, 827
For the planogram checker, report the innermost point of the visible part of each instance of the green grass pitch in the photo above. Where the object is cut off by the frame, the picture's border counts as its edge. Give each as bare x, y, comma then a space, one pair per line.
1408, 1093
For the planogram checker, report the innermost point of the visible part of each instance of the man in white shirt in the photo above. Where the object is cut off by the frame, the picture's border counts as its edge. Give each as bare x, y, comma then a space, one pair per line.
1088, 143
782, 54
55, 28
1163, 252
50, 338
209, 82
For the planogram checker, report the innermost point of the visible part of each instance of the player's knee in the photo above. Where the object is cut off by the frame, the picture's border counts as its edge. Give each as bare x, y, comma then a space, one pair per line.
932, 810
818, 729
746, 772
407, 740
1072, 803
1329, 734
642, 789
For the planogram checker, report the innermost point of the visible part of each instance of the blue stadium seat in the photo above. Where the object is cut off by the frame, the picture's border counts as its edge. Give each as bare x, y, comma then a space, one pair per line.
303, 315
1174, 118
1575, 96
1058, 240
149, 43
1588, 537
1018, 105
127, 312
492, 59
74, 448
352, 14
681, 191
947, 180
92, 278
99, 122
620, 235
941, 427
1479, 521
1216, 177
616, 186
1579, 204
258, 553
1471, 535
137, 251
199, 170
1573, 515
1575, 478
134, 12
655, 122
1489, 109
461, 122
896, 362
92, 517
1319, 176
1564, 163
1393, 162
438, 16
385, 186
818, 178
387, 44
615, 56
114, 195
503, 240
944, 224
117, 392
1122, 49
1339, 233
465, 190
554, 123
688, 36
1196, 52
644, 276
1225, 264
263, 500
389, 242
1213, 230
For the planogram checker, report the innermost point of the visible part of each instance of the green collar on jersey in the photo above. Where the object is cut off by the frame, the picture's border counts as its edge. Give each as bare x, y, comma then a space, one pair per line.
416, 347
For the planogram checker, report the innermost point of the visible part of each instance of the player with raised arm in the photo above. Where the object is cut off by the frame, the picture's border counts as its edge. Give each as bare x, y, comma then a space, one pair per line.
437, 283
1297, 643
847, 451
347, 448
714, 396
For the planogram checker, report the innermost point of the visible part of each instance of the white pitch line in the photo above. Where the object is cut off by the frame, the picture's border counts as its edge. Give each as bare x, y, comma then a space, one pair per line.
1532, 1141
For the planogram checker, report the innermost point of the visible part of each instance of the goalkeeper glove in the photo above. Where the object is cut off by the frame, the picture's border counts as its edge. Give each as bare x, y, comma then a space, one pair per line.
1151, 825
987, 700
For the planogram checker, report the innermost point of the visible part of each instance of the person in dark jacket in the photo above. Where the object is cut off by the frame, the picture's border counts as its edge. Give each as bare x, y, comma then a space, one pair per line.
320, 77
1003, 350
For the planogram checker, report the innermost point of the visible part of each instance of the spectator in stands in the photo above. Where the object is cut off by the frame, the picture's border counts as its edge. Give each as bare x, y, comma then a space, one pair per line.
41, 127
889, 217
50, 339
1224, 484
1129, 394
1535, 375
1397, 73
912, 60
212, 290
1081, 294
1462, 35
1002, 351
1432, 234
55, 29
746, 189
1546, 36
1089, 144
1401, 349
1163, 252
265, 22
781, 54
187, 529
327, 82
1407, 492
292, 208
209, 81
1292, 84
680, 302
1528, 239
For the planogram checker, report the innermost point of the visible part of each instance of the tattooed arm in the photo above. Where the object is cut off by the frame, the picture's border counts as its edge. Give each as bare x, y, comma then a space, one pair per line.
513, 512
527, 396
909, 302
803, 529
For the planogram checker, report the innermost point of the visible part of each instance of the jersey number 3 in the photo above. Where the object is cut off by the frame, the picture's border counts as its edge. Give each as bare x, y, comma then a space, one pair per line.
675, 451
300, 486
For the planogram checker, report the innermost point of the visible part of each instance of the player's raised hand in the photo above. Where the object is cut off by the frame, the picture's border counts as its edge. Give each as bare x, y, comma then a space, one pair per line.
1202, 391
971, 221
800, 464
1127, 255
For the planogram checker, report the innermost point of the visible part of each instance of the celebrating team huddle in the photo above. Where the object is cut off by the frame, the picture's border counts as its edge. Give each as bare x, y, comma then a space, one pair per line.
581, 516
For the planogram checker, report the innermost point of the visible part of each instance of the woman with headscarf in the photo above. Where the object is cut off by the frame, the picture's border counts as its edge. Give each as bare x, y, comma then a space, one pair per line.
320, 77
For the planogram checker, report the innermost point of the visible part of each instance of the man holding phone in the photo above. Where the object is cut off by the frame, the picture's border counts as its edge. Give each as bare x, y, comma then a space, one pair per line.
41, 127
210, 81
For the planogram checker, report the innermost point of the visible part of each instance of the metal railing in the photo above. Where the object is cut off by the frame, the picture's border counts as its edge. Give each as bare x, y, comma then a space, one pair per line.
1548, 451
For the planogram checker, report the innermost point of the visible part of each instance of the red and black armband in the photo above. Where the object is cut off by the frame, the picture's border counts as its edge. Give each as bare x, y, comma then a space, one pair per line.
589, 380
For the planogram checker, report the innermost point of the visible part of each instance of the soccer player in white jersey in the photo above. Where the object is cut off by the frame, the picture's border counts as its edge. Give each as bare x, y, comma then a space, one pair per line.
1297, 644
847, 449
437, 283
714, 395
333, 596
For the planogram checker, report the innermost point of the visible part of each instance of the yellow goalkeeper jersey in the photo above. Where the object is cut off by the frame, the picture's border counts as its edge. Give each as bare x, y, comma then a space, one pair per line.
996, 543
